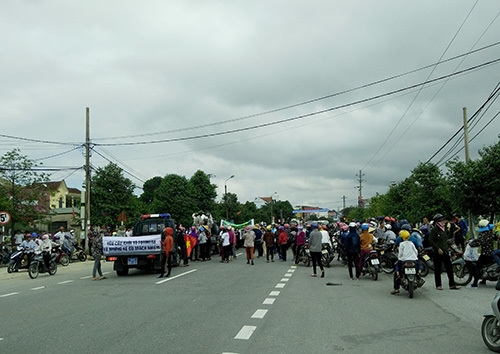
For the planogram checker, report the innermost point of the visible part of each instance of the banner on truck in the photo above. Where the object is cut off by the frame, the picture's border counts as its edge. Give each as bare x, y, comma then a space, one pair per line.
117, 246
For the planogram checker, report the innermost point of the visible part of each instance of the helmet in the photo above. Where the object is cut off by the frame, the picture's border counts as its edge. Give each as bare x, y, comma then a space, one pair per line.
281, 227
352, 224
268, 227
247, 228
388, 226
56, 237
314, 224
323, 227
286, 226
34, 235
483, 223
405, 235
44, 237
406, 227
365, 226
72, 231
438, 217
300, 227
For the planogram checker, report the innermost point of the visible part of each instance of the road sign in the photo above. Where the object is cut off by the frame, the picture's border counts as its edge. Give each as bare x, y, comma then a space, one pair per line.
4, 218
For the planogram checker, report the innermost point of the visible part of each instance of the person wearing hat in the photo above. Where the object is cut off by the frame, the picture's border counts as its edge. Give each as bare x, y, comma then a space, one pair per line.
166, 256
485, 240
366, 243
315, 246
202, 240
269, 240
438, 238
248, 238
352, 248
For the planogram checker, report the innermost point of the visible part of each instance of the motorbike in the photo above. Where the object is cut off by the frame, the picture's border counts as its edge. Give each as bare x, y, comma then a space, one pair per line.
490, 328
38, 265
371, 264
305, 255
410, 280
424, 256
62, 257
327, 255
18, 260
387, 257
463, 271
79, 254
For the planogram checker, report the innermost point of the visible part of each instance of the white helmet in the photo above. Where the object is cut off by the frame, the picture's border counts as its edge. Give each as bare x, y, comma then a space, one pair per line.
483, 223
388, 226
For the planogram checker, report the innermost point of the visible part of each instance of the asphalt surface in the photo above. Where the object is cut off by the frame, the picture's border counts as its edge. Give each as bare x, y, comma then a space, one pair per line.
210, 307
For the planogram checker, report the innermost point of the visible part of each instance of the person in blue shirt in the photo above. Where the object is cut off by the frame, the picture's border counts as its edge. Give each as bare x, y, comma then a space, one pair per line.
352, 247
413, 238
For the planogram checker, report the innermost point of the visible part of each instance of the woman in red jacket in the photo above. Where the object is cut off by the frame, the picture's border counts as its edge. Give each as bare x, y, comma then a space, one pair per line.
283, 243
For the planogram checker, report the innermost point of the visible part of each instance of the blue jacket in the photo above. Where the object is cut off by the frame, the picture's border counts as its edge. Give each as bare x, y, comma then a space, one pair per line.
352, 243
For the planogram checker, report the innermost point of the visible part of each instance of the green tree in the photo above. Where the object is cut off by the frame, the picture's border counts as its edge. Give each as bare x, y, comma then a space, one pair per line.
174, 195
149, 189
476, 185
204, 192
111, 193
20, 191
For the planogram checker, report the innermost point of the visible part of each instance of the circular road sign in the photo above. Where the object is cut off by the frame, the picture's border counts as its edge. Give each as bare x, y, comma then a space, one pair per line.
4, 218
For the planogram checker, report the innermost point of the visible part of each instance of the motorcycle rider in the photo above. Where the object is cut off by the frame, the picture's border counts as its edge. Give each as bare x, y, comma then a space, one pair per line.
68, 246
389, 235
406, 252
485, 240
353, 248
300, 241
366, 242
29, 246
46, 248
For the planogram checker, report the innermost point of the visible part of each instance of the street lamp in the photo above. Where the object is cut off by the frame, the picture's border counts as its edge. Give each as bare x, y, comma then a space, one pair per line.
225, 196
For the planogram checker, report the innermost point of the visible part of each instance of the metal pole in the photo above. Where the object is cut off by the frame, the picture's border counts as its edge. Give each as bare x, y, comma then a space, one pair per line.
225, 196
467, 160
87, 174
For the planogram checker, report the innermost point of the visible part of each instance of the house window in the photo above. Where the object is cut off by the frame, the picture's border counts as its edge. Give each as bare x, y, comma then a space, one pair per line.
60, 202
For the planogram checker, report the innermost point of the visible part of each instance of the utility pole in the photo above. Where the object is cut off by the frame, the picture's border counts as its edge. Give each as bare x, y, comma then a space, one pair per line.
360, 187
467, 160
343, 202
86, 227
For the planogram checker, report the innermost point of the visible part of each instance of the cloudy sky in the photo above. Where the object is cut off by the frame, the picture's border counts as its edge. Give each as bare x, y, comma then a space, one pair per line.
291, 97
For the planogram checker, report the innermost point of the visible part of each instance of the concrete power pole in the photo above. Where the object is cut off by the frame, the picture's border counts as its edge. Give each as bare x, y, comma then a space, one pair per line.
87, 175
467, 160
360, 187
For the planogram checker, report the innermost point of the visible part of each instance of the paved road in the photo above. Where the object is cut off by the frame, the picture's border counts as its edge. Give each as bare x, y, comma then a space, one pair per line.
233, 308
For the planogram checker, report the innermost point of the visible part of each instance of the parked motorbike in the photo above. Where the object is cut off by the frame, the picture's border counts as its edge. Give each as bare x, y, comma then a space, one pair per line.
327, 255
424, 256
62, 257
305, 255
490, 329
463, 271
371, 264
38, 265
18, 260
387, 257
410, 280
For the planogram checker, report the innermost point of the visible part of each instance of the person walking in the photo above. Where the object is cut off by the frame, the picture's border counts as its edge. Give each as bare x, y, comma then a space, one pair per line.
226, 245
202, 240
300, 241
315, 244
166, 255
97, 253
269, 240
249, 243
353, 249
283, 243
438, 238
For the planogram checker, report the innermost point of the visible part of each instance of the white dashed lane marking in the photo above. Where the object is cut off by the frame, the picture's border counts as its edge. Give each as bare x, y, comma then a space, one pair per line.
288, 275
269, 301
285, 279
245, 332
274, 293
66, 282
259, 313
38, 288
280, 285
10, 294
176, 276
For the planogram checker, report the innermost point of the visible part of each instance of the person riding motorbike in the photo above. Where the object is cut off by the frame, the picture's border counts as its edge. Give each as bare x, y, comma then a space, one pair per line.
366, 242
68, 246
29, 246
406, 252
46, 248
485, 240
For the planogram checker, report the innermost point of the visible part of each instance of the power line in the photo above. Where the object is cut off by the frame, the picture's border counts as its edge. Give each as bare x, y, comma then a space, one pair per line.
476, 67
